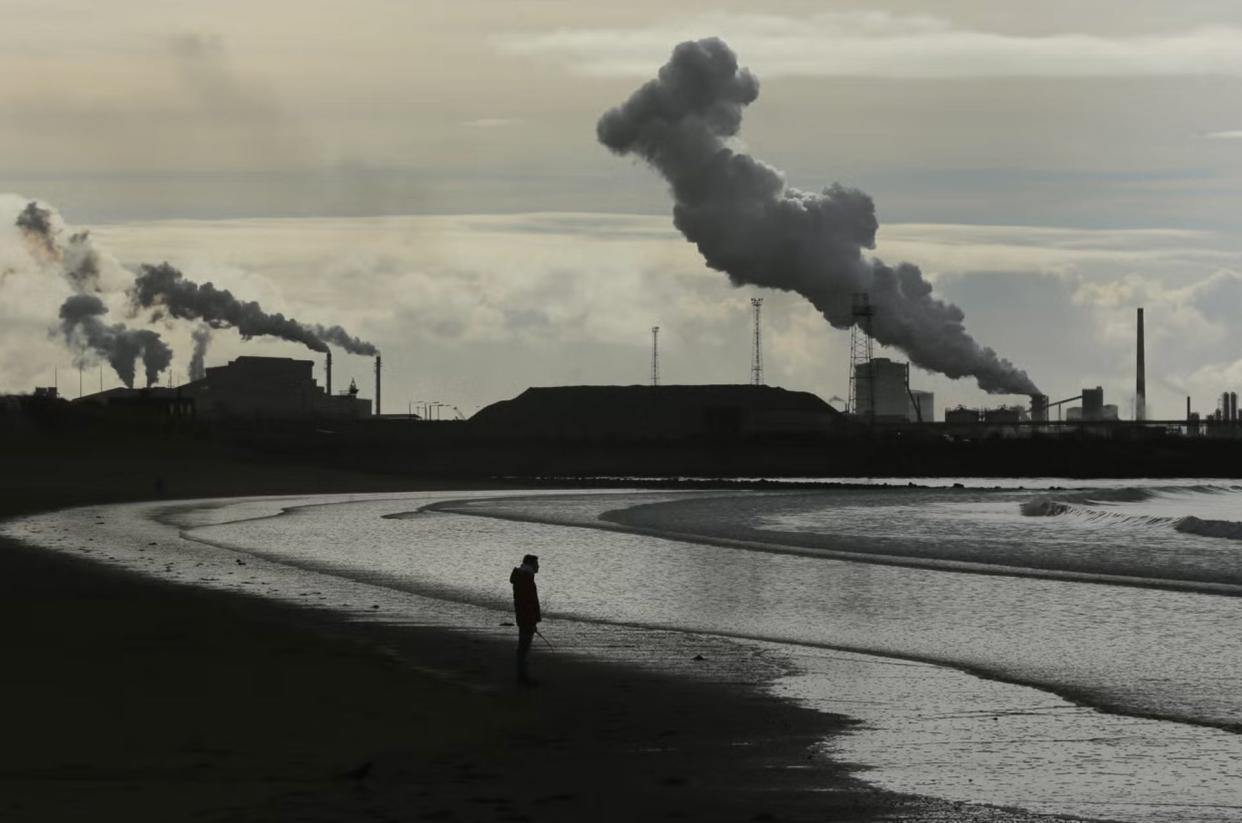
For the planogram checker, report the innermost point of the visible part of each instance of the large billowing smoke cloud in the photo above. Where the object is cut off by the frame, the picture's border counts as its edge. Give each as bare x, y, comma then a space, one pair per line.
166, 289
84, 330
749, 224
80, 314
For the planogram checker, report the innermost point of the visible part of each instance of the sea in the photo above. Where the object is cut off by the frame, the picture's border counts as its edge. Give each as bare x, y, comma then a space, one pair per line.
1061, 646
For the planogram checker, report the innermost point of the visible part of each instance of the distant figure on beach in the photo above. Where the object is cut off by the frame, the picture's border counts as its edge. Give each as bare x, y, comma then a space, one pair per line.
526, 609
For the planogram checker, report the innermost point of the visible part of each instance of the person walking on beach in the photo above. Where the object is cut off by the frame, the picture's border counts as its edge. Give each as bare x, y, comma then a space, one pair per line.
526, 610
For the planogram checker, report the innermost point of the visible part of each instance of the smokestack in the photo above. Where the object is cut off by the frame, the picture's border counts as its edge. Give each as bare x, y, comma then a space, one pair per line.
1187, 407
1039, 408
377, 383
328, 372
1140, 382
1233, 406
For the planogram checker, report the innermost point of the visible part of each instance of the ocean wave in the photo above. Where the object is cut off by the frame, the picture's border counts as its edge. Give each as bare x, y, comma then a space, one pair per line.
1228, 529
1066, 502
1094, 506
1044, 507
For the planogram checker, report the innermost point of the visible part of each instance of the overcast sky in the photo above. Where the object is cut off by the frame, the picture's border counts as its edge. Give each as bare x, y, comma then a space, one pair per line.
426, 173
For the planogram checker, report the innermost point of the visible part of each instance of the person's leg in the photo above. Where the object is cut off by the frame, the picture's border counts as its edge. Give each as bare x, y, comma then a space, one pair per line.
525, 636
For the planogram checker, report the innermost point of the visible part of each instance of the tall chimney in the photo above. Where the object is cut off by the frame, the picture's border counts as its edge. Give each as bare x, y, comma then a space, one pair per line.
1233, 406
328, 372
377, 384
1140, 383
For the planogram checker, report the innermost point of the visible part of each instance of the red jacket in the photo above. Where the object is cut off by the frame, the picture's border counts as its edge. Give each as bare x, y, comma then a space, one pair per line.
525, 597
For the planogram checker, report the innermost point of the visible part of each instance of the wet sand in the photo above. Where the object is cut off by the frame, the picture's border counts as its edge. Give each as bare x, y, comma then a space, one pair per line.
132, 699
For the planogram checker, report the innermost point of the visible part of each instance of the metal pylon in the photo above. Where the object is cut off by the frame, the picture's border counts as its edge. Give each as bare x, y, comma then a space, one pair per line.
860, 356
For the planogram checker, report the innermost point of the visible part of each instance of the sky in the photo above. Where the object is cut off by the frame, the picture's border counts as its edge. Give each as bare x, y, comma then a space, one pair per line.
427, 175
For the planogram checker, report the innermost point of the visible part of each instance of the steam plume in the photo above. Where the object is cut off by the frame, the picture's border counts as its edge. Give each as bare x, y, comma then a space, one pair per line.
198, 360
162, 286
83, 329
36, 222
749, 224
79, 260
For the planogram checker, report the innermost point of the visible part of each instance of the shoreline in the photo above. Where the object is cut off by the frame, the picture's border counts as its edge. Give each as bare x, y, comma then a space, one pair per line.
194, 693
610, 521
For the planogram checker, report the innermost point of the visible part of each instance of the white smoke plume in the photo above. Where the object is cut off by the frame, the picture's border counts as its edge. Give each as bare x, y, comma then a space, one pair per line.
748, 223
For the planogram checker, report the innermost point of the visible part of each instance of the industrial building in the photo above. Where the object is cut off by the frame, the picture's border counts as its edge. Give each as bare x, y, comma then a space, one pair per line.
883, 393
269, 387
156, 401
246, 388
1093, 408
999, 416
922, 408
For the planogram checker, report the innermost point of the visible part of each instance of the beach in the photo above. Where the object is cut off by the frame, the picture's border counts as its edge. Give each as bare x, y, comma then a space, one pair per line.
139, 701
136, 699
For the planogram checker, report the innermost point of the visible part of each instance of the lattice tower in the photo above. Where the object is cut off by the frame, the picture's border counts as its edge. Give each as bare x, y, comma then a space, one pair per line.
862, 392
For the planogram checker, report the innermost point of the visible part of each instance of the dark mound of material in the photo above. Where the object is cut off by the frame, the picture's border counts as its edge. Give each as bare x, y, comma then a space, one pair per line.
656, 411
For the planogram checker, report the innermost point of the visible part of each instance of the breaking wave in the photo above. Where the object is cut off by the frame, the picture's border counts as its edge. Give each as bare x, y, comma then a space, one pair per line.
1228, 529
1159, 508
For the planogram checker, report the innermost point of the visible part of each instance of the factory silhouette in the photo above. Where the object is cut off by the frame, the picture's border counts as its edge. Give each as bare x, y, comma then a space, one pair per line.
275, 406
881, 396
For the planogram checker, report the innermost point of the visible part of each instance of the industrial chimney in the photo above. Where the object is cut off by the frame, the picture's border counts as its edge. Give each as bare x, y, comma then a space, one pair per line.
328, 374
1140, 383
377, 383
1039, 408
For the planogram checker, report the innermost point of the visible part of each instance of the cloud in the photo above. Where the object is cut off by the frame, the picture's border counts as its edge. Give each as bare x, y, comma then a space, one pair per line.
1208, 382
883, 44
471, 309
1224, 135
1107, 252
490, 122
